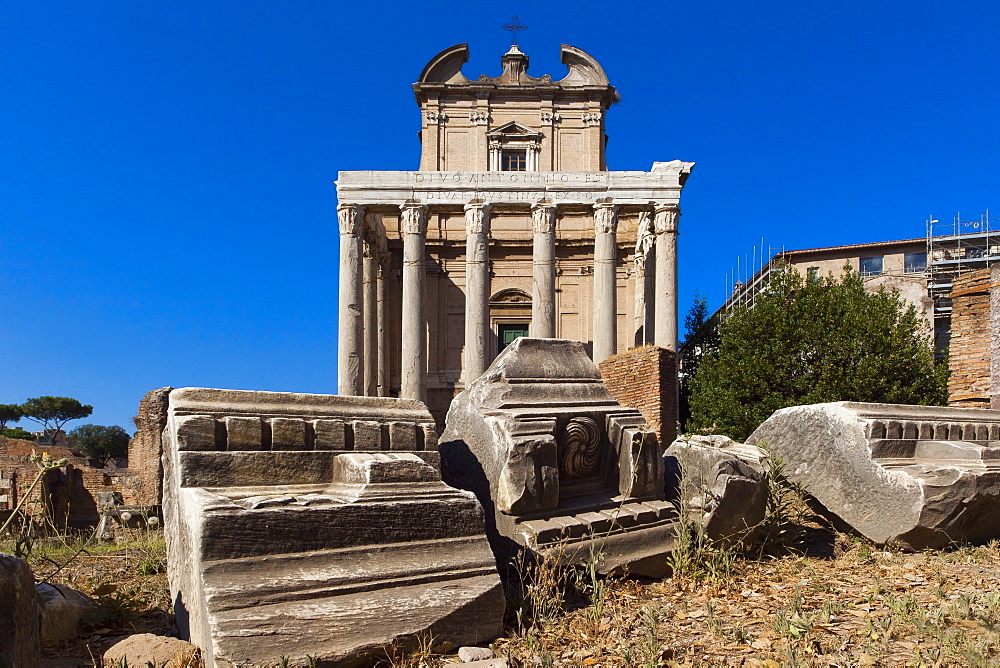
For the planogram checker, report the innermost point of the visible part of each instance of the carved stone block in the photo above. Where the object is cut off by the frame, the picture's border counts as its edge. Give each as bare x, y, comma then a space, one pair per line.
556, 461
285, 537
914, 476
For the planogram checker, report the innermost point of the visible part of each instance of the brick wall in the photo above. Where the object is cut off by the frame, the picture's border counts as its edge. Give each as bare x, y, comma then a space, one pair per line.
646, 379
145, 449
969, 350
68, 495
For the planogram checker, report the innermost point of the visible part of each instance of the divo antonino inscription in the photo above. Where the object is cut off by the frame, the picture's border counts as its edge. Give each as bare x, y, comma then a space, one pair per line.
661, 185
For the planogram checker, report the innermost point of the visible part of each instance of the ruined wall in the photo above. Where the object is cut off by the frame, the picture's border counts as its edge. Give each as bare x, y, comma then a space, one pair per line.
646, 379
145, 449
68, 496
969, 351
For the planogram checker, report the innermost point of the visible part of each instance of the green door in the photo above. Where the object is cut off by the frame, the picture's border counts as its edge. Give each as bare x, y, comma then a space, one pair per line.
507, 333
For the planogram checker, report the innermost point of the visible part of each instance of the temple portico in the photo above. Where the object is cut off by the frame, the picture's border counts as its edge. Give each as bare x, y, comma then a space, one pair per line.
513, 226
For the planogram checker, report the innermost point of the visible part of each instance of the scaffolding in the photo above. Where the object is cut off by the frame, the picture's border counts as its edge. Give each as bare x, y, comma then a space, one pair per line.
954, 248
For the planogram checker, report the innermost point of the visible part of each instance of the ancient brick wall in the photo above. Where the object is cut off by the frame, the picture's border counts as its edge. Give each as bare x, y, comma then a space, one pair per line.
646, 379
70, 492
995, 337
969, 350
145, 449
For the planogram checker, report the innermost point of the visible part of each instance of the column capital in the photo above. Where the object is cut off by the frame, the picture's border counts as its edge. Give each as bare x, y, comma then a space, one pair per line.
605, 217
350, 218
413, 218
477, 217
666, 217
543, 218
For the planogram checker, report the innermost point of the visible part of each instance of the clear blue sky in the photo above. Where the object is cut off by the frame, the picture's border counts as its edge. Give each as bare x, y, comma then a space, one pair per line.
167, 213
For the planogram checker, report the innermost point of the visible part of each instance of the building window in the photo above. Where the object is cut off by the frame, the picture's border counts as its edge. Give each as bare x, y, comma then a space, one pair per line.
513, 160
915, 263
871, 266
812, 274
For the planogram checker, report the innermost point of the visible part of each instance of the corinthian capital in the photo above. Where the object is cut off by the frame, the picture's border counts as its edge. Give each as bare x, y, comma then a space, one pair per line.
349, 217
414, 219
543, 218
605, 217
477, 218
665, 219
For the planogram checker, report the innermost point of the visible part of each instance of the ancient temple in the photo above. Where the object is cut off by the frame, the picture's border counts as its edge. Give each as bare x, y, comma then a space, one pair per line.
512, 226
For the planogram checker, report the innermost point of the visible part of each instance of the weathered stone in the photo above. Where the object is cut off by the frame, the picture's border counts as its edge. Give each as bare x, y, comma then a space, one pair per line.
858, 462
19, 615
725, 483
145, 649
556, 460
64, 610
326, 550
470, 654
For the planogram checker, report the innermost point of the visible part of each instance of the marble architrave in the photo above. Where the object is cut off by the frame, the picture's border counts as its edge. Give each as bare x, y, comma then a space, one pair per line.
662, 184
302, 524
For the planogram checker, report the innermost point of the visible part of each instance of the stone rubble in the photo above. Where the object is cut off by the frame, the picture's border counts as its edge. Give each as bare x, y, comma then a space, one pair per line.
20, 642
725, 483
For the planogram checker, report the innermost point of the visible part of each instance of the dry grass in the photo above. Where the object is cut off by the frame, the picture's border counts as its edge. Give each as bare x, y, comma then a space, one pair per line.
856, 606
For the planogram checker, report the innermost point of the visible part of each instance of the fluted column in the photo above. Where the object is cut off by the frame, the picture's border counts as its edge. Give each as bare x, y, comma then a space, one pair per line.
370, 318
543, 271
349, 349
413, 379
665, 224
605, 281
645, 290
477, 289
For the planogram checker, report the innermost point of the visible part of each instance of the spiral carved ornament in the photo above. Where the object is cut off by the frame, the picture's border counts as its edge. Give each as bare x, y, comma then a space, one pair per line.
581, 441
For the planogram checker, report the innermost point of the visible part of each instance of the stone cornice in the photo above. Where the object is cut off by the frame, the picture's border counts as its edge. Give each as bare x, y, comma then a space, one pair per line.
661, 186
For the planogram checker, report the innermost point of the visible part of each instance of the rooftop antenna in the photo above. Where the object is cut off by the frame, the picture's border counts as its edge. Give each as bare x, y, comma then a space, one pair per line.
514, 27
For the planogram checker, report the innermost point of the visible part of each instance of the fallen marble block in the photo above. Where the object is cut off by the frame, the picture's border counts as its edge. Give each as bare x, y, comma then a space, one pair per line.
914, 476
724, 483
557, 463
318, 525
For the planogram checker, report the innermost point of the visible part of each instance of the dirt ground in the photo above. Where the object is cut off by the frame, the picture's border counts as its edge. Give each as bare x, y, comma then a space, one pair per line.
850, 604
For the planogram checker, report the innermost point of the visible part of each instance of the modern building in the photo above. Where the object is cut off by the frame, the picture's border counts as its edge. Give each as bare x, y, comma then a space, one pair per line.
922, 270
512, 225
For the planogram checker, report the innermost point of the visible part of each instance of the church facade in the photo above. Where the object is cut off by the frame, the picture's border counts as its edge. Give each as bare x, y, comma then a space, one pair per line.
512, 226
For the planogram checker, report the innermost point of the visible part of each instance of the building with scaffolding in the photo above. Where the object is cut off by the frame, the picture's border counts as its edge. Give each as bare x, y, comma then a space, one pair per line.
923, 270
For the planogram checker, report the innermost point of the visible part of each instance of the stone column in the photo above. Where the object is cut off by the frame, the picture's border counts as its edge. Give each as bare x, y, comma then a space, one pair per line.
605, 281
349, 371
370, 331
414, 321
477, 289
665, 224
645, 290
381, 381
543, 271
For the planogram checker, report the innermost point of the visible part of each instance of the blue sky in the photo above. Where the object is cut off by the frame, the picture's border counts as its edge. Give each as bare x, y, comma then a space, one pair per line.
167, 213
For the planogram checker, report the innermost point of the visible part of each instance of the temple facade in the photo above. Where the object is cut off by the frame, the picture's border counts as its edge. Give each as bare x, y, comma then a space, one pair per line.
512, 226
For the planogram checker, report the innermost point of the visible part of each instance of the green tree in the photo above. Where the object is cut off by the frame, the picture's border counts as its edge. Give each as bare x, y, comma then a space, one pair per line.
701, 337
807, 342
100, 442
10, 413
54, 412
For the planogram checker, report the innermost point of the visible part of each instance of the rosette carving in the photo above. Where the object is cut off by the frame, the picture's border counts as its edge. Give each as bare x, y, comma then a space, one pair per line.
581, 443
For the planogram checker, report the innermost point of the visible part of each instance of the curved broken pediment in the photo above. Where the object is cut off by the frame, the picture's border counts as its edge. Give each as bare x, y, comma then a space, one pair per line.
584, 70
446, 67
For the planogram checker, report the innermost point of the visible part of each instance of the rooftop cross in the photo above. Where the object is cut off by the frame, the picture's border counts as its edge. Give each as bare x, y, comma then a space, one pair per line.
515, 27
